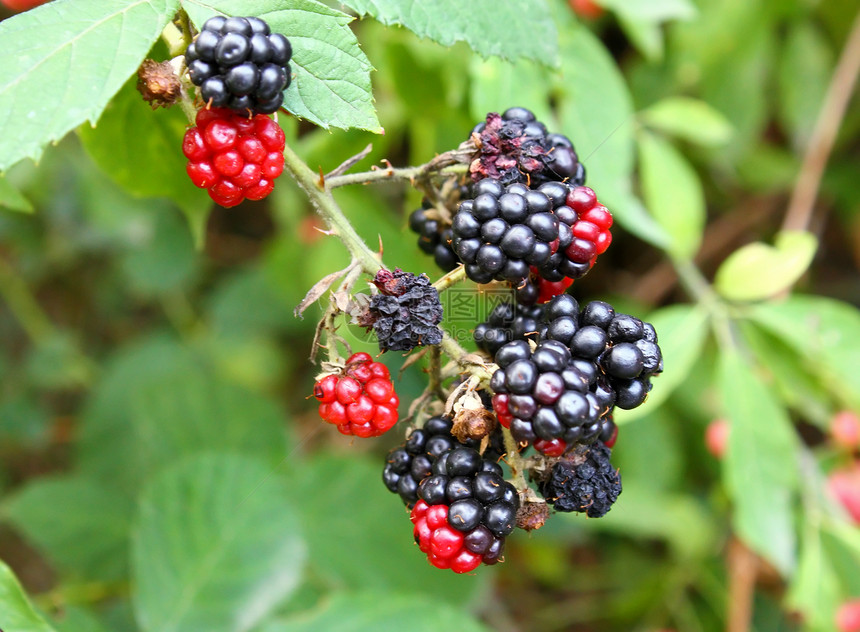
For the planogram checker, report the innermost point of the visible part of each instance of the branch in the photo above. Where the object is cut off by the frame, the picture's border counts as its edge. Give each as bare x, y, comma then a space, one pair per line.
328, 209
801, 205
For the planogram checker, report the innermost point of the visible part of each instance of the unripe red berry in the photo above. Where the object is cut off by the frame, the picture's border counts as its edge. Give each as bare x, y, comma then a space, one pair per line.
848, 616
845, 430
717, 437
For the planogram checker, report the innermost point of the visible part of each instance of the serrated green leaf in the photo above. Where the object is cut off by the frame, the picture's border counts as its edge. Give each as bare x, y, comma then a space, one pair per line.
682, 331
825, 333
141, 150
689, 119
513, 29
18, 615
673, 194
757, 271
760, 468
603, 135
80, 524
158, 402
804, 72
652, 10
217, 545
376, 611
63, 61
12, 199
331, 75
339, 492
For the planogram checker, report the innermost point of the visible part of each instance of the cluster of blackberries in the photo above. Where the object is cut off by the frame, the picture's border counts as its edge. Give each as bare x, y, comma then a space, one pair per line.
507, 322
562, 392
516, 147
583, 481
238, 63
509, 233
412, 462
406, 312
434, 236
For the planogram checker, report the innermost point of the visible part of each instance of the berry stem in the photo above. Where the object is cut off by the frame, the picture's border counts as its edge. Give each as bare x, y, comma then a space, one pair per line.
328, 209
454, 162
514, 461
453, 277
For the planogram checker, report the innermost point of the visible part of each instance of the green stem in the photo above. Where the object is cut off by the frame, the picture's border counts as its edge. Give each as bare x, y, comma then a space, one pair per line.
698, 287
328, 209
451, 278
453, 350
23, 305
412, 174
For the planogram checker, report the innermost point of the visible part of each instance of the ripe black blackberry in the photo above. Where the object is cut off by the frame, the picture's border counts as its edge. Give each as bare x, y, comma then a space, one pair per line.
516, 147
545, 396
434, 237
583, 481
412, 462
479, 506
406, 313
503, 231
240, 64
624, 348
507, 322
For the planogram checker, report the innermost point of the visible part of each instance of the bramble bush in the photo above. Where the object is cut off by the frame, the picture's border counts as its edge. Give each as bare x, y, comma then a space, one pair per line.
177, 315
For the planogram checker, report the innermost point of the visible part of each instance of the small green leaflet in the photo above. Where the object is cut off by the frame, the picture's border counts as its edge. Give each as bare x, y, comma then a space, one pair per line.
510, 29
18, 615
331, 74
63, 61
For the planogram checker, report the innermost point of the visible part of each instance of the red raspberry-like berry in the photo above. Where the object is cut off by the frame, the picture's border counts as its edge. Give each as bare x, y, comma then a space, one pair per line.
844, 485
233, 156
848, 616
717, 437
447, 547
845, 430
591, 236
360, 400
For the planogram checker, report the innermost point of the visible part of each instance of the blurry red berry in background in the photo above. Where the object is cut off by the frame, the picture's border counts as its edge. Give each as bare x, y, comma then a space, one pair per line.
717, 437
845, 430
22, 5
586, 9
848, 616
844, 484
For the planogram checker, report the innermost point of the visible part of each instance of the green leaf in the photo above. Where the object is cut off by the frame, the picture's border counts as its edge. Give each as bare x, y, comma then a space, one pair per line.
18, 615
825, 333
79, 523
652, 10
76, 619
603, 135
682, 331
814, 590
216, 547
842, 545
689, 119
141, 150
336, 493
12, 199
761, 462
375, 611
157, 403
331, 75
757, 271
513, 29
805, 66
646, 36
644, 512
63, 61
673, 194
497, 85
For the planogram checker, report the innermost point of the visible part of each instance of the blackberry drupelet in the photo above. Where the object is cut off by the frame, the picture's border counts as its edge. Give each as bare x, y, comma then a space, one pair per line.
465, 511
507, 322
546, 397
434, 237
406, 313
516, 147
583, 481
238, 63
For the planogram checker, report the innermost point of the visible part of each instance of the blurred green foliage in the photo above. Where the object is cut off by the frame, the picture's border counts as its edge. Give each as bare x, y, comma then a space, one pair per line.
162, 468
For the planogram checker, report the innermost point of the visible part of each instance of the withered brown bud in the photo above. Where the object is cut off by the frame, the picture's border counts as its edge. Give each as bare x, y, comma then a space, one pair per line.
532, 515
158, 83
472, 423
